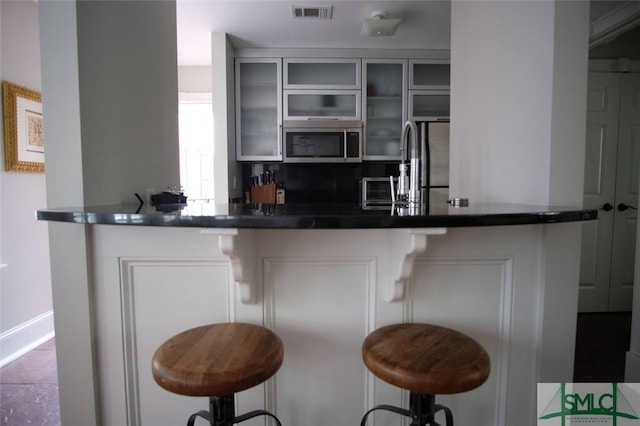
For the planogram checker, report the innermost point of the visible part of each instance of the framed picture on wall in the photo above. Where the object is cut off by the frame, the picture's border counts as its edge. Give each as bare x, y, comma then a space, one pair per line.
23, 136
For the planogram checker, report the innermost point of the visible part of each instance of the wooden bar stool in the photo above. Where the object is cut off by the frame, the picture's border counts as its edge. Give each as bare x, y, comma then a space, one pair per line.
426, 360
217, 361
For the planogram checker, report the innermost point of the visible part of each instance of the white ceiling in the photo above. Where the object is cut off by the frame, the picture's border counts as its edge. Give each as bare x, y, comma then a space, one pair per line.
268, 24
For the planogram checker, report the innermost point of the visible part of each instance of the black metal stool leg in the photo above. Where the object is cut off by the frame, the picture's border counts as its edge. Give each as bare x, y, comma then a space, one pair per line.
225, 410
384, 407
222, 413
422, 411
256, 413
447, 414
203, 414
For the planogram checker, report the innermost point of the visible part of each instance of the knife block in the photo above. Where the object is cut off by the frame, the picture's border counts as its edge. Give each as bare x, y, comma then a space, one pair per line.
263, 194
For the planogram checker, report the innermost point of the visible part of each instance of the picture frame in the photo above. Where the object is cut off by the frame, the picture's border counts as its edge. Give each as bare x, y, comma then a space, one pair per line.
23, 129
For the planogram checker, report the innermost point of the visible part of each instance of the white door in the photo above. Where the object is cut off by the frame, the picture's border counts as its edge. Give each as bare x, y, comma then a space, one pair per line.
626, 201
599, 190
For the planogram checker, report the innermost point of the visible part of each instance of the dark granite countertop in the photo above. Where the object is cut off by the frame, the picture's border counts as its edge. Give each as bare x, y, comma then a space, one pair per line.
312, 216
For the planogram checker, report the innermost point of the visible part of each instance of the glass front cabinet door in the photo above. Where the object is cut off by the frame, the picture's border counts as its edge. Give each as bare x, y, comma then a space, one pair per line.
322, 104
429, 90
321, 73
429, 105
429, 74
258, 109
384, 108
321, 89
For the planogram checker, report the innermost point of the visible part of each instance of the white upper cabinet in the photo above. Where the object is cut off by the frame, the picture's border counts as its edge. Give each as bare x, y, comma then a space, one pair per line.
384, 108
335, 74
317, 89
427, 74
258, 109
322, 104
429, 105
429, 90
382, 93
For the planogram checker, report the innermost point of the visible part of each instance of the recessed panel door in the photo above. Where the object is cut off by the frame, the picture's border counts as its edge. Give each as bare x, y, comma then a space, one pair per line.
599, 190
626, 202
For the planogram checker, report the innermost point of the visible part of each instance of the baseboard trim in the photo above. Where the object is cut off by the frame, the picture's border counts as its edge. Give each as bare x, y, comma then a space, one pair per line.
27, 336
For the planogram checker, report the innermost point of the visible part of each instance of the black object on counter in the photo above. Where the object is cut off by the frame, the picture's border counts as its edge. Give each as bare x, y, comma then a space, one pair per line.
141, 202
167, 197
170, 208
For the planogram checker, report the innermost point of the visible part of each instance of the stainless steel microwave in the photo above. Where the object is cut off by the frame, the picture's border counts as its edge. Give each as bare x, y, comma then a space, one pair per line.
326, 141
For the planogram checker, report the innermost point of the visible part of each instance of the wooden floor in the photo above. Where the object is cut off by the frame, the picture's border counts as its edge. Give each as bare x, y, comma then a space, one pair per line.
602, 341
29, 389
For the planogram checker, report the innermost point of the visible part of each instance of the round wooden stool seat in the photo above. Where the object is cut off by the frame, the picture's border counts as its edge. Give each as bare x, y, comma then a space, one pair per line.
217, 359
425, 358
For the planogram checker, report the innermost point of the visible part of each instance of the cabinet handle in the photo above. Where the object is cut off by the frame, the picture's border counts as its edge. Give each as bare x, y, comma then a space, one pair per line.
345, 145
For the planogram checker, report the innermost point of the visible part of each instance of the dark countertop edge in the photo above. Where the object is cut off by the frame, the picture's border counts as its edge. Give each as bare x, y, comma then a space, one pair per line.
318, 221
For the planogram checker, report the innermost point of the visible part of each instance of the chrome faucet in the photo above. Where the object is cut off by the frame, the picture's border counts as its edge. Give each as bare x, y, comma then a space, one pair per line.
413, 190
404, 184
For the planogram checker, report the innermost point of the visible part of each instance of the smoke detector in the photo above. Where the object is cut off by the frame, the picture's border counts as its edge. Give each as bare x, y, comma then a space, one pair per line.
311, 12
379, 25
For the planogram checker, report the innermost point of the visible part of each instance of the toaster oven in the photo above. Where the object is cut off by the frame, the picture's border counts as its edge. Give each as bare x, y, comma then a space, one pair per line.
376, 193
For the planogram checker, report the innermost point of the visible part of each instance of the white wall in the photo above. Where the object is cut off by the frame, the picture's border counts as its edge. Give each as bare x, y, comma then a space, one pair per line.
226, 170
518, 122
65, 187
123, 71
118, 61
500, 126
519, 80
194, 79
26, 316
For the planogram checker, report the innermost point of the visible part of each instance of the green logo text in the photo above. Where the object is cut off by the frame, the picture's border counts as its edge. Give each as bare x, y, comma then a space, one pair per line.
565, 405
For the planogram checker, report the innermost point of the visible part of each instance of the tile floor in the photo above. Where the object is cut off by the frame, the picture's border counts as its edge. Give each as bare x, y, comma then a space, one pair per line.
29, 389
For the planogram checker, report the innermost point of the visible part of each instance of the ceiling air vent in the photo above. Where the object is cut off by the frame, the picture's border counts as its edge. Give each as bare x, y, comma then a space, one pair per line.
323, 12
